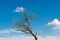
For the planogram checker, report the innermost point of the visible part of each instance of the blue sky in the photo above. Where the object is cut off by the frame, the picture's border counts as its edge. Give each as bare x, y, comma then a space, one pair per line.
47, 15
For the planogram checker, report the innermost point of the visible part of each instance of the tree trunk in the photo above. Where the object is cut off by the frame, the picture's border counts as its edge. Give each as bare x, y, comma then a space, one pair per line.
36, 39
34, 35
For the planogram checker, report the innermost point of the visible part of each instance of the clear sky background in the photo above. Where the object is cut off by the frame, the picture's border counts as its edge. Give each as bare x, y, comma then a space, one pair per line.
47, 22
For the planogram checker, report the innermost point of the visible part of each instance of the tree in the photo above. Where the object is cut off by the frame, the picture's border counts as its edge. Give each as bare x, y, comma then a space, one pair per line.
24, 25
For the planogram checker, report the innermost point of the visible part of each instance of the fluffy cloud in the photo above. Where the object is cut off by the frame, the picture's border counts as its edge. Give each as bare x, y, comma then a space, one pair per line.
30, 38
55, 23
19, 9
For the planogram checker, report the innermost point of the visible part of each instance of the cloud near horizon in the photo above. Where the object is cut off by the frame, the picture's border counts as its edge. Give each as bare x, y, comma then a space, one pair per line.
29, 38
55, 23
8, 31
23, 37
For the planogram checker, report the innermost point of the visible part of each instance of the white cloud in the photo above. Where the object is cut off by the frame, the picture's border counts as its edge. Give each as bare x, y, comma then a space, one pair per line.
55, 23
22, 37
17, 38
30, 38
19, 9
8, 31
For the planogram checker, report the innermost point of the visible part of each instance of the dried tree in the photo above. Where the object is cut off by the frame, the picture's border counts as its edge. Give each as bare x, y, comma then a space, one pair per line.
24, 25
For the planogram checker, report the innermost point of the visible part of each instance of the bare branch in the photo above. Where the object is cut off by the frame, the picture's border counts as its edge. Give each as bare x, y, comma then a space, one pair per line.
24, 25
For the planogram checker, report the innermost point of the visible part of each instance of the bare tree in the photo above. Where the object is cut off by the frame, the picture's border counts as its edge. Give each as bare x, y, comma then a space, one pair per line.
24, 25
